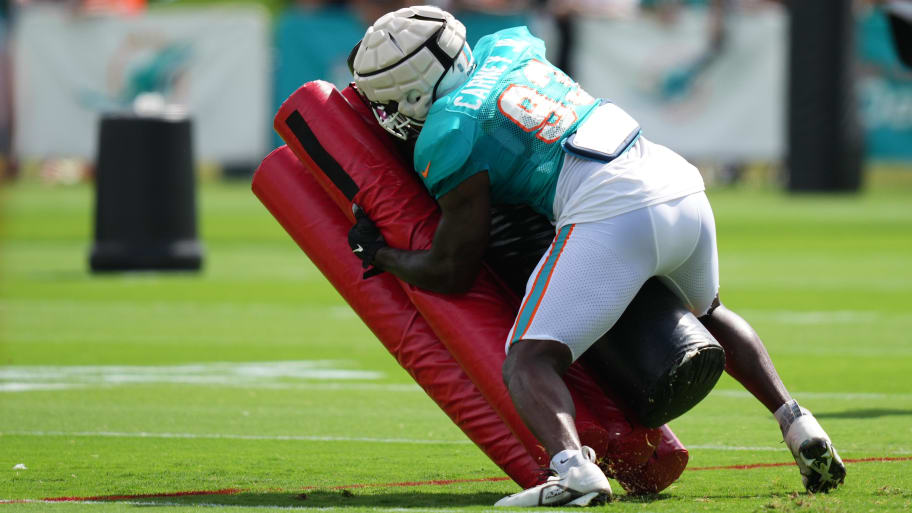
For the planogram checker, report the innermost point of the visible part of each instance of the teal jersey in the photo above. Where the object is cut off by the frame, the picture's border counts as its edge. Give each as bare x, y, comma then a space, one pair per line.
509, 119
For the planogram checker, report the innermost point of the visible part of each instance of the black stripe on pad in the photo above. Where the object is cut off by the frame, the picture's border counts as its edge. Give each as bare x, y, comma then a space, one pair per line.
329, 165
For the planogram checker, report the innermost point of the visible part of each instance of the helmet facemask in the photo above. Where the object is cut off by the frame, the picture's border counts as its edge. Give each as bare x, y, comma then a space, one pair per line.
394, 121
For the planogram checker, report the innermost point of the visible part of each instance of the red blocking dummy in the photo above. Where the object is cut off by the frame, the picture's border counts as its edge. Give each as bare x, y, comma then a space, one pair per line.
488, 309
301, 206
664, 467
363, 158
470, 325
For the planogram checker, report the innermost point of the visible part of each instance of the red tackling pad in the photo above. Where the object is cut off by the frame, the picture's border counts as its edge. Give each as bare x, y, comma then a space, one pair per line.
293, 196
453, 345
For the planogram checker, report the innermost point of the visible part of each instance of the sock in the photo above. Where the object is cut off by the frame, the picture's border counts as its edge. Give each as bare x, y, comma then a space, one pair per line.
565, 460
787, 413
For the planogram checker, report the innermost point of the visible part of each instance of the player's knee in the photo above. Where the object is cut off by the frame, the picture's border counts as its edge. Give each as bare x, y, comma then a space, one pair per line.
518, 359
536, 357
705, 314
509, 367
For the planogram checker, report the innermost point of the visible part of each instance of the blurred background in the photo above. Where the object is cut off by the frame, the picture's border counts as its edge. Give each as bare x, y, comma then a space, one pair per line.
808, 96
798, 114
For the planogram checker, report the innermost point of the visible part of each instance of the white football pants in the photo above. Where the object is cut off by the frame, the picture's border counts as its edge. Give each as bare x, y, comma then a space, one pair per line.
592, 271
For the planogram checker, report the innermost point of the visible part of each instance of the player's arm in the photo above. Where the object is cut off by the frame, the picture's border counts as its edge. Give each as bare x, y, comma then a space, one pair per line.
454, 260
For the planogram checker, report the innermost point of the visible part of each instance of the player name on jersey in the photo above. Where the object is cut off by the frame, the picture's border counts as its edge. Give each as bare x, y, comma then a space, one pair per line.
486, 77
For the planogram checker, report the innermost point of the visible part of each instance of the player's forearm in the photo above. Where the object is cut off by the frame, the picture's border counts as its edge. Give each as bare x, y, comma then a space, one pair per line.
426, 270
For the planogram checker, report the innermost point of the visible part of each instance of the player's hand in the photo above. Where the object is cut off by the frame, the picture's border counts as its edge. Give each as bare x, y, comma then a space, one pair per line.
365, 238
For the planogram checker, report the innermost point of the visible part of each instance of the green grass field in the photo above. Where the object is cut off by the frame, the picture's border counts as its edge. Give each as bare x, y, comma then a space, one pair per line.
253, 377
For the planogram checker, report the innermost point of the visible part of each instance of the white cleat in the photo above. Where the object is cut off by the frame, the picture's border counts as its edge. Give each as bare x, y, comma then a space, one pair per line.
583, 485
821, 468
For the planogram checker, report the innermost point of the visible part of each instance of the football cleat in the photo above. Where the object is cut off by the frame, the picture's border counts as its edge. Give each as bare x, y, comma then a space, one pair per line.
583, 485
821, 468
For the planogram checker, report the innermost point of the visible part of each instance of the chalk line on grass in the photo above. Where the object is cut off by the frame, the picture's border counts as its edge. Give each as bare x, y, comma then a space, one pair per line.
819, 317
719, 447
321, 438
749, 466
305, 438
137, 499
842, 396
148, 503
288, 375
221, 436
325, 387
39, 387
190, 372
233, 374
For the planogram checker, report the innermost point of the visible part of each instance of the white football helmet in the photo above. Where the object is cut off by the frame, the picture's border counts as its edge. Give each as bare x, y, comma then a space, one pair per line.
408, 59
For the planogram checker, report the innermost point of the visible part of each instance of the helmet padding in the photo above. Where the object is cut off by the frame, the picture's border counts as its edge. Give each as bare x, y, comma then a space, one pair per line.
406, 60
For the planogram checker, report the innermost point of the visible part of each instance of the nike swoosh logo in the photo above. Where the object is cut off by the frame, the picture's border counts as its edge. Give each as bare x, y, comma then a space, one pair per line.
564, 461
359, 249
425, 173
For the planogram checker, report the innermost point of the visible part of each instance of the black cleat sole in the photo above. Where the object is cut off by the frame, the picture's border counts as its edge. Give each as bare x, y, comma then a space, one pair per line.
816, 451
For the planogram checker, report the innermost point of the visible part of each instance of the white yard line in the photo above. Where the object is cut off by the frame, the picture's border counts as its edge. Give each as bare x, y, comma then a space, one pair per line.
325, 387
222, 436
342, 311
193, 308
23, 378
842, 396
143, 503
313, 438
32, 387
250, 371
367, 387
821, 317
719, 447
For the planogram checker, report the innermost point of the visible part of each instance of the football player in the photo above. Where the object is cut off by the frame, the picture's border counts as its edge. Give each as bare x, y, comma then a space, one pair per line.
504, 126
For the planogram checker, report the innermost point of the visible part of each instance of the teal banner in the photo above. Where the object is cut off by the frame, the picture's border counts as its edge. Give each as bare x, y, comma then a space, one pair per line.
314, 44
885, 91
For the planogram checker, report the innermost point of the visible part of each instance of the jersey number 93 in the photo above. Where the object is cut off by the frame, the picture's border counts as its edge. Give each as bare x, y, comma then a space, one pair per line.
533, 111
